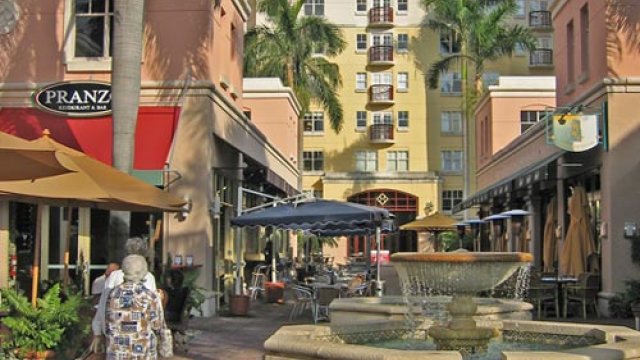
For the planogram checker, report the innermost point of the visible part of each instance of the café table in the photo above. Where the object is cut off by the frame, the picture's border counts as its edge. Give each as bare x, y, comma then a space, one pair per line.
560, 281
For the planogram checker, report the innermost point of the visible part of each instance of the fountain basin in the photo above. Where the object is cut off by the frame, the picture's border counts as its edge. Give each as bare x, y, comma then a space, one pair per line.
346, 311
456, 271
331, 342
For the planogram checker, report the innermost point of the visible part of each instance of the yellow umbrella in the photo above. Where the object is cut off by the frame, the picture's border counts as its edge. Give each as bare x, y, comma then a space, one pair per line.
549, 241
21, 159
434, 223
578, 244
92, 184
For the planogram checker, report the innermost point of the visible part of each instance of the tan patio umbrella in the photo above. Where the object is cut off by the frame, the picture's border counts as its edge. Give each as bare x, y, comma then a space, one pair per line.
21, 159
550, 243
90, 184
434, 223
578, 244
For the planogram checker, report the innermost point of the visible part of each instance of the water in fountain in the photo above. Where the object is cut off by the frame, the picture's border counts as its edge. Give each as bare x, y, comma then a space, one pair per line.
461, 274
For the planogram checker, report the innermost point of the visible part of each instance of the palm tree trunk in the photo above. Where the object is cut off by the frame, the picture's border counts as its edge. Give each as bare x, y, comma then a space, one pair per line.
127, 57
466, 114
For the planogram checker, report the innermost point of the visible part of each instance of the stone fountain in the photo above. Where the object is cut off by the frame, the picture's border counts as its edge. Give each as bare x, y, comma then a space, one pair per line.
464, 274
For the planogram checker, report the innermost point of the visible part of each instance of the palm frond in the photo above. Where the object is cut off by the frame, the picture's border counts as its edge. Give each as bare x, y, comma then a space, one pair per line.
439, 67
323, 84
317, 30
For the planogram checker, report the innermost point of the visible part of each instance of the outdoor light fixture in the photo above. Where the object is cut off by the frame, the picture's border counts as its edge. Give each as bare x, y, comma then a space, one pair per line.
475, 225
461, 228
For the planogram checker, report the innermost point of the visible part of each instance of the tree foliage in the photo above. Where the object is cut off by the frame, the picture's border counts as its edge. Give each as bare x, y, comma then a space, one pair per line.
286, 48
483, 32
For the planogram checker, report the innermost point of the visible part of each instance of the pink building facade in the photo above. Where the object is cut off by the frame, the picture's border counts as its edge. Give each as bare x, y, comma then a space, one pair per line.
192, 136
596, 56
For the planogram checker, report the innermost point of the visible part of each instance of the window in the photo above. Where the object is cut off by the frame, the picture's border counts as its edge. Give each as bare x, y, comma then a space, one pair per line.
570, 54
403, 81
451, 160
361, 81
403, 43
361, 119
361, 42
403, 5
530, 118
450, 83
540, 5
490, 78
366, 161
385, 39
94, 28
361, 5
312, 160
520, 10
519, 50
451, 122
451, 198
314, 7
397, 161
383, 118
318, 49
584, 39
382, 78
403, 119
314, 122
449, 42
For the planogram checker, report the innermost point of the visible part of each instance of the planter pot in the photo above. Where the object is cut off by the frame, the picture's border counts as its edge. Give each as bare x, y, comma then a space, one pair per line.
239, 305
274, 292
36, 355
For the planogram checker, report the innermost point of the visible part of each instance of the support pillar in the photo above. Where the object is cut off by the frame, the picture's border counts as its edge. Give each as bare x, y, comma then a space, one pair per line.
84, 246
5, 240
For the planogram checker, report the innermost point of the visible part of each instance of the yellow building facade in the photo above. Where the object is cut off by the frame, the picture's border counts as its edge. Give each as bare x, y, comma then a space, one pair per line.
401, 146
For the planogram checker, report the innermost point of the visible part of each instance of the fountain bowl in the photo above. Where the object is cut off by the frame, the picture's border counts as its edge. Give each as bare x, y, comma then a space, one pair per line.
457, 271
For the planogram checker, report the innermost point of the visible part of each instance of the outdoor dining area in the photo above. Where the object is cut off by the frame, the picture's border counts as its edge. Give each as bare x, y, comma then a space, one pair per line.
314, 290
41, 174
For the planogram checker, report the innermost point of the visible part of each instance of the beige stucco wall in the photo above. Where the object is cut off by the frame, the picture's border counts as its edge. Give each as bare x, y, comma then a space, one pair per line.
620, 190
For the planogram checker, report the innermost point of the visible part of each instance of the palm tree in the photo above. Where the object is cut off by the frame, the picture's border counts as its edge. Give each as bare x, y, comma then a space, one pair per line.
125, 89
285, 48
480, 27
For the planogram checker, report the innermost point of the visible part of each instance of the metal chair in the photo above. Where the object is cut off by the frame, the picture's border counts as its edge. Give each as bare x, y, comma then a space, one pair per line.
584, 292
325, 296
258, 278
541, 294
304, 298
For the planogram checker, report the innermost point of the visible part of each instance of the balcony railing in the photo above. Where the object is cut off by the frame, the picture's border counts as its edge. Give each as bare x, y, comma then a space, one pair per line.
381, 133
541, 57
381, 16
381, 94
381, 54
540, 19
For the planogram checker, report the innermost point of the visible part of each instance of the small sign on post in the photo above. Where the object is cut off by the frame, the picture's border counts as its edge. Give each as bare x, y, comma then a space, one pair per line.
573, 132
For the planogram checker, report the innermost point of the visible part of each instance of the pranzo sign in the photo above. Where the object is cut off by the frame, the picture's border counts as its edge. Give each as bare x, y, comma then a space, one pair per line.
76, 98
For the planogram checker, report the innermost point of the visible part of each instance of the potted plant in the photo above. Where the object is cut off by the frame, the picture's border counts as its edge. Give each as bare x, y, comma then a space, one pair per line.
37, 331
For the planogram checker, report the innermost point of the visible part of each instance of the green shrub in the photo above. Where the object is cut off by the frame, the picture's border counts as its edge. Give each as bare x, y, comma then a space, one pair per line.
43, 327
620, 305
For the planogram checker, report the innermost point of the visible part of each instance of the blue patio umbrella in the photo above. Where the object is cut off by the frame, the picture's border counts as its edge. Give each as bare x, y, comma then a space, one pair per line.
322, 217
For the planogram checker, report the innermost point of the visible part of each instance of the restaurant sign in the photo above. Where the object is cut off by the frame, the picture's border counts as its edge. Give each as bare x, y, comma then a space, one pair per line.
75, 98
574, 132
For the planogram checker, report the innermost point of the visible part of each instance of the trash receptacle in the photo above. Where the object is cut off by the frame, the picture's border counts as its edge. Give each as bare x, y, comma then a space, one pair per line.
274, 292
239, 305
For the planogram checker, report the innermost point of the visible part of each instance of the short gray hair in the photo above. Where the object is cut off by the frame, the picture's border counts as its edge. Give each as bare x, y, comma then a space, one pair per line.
136, 246
134, 268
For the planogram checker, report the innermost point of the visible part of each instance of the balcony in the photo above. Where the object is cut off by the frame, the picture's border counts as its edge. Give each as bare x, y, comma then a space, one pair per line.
381, 55
381, 133
540, 19
541, 58
381, 16
381, 94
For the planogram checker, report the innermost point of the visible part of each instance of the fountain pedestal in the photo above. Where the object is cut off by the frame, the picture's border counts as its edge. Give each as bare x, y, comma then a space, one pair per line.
462, 332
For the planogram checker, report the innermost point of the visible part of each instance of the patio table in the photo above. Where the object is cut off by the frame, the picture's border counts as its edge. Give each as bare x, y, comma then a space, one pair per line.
560, 281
